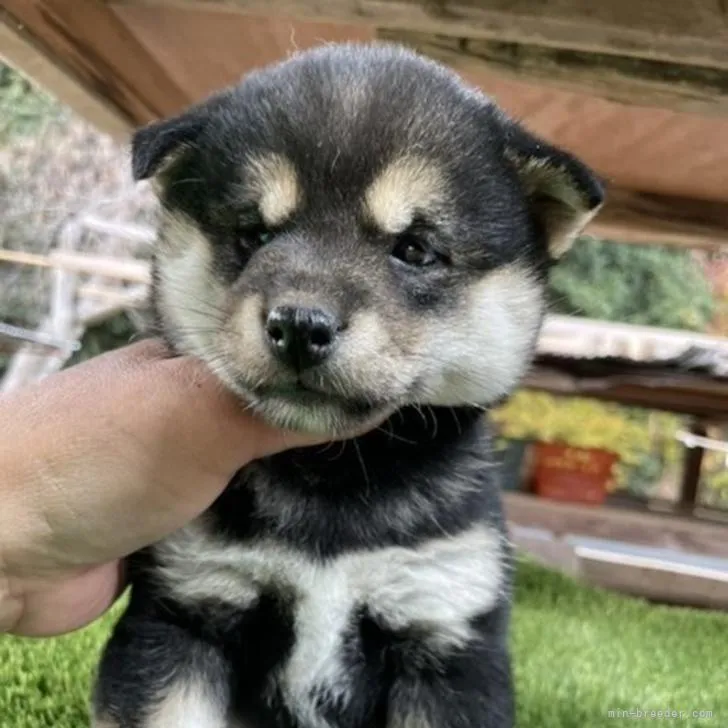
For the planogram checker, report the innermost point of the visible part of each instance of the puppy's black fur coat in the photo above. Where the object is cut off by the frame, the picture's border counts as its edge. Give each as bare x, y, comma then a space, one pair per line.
362, 585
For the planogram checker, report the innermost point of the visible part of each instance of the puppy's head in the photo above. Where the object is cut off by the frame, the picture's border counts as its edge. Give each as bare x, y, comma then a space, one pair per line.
355, 230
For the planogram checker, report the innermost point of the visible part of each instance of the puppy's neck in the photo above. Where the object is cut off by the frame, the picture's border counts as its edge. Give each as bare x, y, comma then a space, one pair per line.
423, 472
425, 426
411, 433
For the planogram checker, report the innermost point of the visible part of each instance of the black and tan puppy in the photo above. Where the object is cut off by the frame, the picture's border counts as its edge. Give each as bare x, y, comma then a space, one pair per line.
350, 234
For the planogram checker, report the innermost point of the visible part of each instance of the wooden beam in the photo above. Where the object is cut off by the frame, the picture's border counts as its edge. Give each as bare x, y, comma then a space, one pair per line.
637, 217
656, 579
643, 527
20, 51
124, 269
624, 79
692, 32
119, 85
666, 580
88, 39
687, 394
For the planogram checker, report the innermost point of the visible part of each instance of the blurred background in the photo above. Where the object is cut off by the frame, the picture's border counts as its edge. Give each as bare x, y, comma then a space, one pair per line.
615, 448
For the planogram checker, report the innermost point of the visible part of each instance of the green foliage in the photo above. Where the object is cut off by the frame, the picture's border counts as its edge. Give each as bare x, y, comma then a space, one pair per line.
714, 478
634, 284
23, 107
578, 653
644, 442
107, 336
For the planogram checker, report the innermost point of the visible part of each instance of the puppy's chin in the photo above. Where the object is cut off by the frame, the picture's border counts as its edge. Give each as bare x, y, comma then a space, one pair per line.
316, 415
320, 419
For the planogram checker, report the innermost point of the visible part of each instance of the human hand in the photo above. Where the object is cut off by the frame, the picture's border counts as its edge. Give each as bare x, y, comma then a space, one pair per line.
105, 458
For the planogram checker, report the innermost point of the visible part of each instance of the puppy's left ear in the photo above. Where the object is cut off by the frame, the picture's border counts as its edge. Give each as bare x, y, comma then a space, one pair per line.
154, 144
563, 193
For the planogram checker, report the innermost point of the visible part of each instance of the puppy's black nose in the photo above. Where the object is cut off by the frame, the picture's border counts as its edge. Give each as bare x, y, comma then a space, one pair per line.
301, 337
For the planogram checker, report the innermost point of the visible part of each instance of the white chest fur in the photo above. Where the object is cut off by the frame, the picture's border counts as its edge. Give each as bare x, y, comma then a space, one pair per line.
437, 588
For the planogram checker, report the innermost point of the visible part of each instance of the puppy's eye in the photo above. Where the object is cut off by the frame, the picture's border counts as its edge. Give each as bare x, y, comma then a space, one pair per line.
414, 251
258, 234
263, 235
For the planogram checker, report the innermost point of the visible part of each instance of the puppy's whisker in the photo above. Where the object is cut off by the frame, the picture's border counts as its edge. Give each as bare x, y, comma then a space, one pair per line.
389, 432
434, 422
418, 408
187, 180
457, 420
342, 450
361, 462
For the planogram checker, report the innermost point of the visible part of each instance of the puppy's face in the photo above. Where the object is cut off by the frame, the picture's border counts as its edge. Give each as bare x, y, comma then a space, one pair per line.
354, 230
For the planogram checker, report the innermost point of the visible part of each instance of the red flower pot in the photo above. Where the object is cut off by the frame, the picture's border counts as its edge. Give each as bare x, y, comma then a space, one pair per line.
575, 474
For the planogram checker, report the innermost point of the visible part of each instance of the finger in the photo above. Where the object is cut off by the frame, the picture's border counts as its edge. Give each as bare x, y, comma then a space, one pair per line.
63, 605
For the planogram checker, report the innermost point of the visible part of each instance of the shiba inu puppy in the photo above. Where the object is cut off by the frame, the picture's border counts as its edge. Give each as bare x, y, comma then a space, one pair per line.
351, 235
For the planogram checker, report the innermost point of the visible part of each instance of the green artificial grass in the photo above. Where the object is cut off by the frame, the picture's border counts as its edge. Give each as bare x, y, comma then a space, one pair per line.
578, 654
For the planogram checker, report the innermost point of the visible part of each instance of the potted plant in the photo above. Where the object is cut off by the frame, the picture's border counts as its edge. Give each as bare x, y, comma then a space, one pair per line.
569, 473
581, 449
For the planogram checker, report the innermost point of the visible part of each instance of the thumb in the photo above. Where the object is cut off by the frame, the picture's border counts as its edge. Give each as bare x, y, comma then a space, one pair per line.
216, 426
258, 439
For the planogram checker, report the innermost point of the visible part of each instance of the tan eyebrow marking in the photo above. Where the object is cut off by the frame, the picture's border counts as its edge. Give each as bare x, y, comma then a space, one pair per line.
405, 187
274, 181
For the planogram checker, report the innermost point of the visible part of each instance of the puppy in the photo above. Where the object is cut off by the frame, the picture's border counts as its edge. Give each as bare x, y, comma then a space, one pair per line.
350, 235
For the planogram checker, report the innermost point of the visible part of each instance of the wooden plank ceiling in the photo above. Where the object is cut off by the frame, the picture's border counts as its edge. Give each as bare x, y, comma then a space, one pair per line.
639, 88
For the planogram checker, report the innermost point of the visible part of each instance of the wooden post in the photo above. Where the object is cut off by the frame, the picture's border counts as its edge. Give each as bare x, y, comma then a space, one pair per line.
691, 469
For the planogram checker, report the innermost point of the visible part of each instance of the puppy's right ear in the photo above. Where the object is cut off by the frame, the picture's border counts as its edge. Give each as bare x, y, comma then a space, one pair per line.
154, 144
564, 194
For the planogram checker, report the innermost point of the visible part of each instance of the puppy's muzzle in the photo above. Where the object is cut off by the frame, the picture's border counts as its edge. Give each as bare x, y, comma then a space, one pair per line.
301, 338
